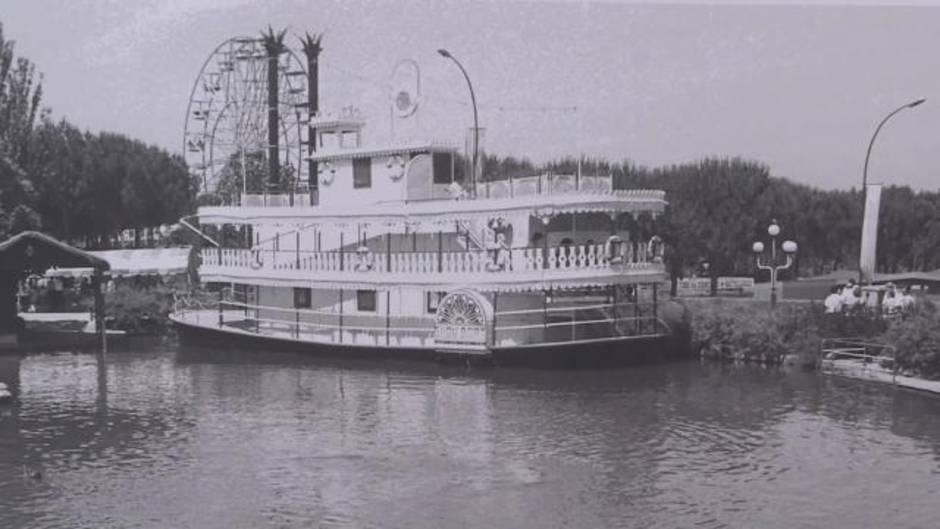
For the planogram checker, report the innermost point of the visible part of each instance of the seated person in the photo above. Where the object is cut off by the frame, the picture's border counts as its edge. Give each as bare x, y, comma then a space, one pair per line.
890, 305
906, 300
833, 302
851, 296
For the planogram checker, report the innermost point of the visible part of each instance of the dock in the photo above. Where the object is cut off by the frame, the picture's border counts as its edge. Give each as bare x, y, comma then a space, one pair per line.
861, 369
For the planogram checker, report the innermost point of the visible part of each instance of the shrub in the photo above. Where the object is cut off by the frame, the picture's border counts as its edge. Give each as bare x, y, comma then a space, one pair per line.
753, 332
137, 309
734, 330
748, 331
916, 338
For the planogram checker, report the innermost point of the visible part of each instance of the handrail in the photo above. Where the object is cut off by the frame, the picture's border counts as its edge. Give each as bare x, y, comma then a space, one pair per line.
499, 260
278, 235
310, 312
832, 348
199, 232
547, 184
345, 327
572, 308
403, 329
574, 322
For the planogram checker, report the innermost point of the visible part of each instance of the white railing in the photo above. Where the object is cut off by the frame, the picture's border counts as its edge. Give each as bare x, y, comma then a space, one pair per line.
299, 198
496, 261
545, 184
542, 184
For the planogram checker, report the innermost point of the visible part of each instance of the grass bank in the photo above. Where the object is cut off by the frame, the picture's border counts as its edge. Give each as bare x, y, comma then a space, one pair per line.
750, 331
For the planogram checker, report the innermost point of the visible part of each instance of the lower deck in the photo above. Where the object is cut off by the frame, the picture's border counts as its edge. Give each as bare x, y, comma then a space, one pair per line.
462, 323
201, 328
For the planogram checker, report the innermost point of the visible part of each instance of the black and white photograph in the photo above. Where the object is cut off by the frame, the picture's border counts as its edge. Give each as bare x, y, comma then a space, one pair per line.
425, 264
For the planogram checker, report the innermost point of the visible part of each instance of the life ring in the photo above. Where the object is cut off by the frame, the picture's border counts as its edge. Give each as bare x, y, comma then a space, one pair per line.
327, 174
257, 261
396, 167
613, 250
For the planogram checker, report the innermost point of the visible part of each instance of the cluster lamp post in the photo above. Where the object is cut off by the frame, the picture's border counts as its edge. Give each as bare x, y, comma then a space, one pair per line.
788, 247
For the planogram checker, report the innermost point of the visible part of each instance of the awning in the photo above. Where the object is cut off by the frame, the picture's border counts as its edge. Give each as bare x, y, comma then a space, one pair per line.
441, 212
136, 262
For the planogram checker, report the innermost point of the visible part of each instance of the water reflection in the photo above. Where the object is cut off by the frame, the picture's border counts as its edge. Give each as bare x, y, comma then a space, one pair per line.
193, 437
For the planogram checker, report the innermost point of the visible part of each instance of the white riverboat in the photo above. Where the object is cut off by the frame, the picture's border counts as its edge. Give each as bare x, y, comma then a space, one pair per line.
385, 250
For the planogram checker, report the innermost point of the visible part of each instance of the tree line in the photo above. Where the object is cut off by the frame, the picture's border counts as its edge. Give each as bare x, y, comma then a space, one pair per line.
719, 206
81, 187
85, 188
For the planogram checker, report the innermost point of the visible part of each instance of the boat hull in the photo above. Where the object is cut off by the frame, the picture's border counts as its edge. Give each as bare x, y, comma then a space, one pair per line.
602, 353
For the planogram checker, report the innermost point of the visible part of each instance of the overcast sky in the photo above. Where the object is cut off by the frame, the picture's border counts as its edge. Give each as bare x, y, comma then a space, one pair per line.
800, 88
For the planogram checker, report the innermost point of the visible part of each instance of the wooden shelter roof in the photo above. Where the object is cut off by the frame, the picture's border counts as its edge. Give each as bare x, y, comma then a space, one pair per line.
37, 252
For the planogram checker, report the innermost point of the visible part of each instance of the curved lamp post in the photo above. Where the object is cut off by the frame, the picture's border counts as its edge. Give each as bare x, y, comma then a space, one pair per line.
912, 104
789, 248
476, 125
871, 144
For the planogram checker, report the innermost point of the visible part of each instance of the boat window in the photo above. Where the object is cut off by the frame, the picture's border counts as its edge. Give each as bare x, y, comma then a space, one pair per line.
362, 173
443, 167
365, 300
301, 298
433, 300
349, 139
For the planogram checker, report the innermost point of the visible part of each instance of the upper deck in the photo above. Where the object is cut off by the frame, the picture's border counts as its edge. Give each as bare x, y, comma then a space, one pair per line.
546, 193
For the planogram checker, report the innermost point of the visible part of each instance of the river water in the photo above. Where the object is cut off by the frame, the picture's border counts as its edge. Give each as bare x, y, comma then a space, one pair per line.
174, 437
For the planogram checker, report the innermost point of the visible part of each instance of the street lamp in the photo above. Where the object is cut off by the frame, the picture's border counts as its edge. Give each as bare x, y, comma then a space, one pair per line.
476, 125
871, 143
912, 104
789, 248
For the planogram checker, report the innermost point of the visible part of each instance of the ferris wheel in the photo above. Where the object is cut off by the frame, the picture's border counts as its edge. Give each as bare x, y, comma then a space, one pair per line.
227, 115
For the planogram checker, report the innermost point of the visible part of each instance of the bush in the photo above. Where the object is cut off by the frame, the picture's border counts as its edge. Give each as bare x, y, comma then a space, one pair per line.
137, 309
916, 338
743, 331
752, 332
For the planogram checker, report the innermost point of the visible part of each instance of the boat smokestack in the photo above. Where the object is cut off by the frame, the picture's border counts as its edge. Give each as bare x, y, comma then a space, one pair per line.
274, 47
312, 48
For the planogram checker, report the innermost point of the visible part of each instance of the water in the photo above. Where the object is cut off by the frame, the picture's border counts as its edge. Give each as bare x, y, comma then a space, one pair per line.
192, 438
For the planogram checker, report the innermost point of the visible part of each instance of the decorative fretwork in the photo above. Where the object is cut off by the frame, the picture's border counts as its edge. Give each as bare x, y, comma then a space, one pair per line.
460, 308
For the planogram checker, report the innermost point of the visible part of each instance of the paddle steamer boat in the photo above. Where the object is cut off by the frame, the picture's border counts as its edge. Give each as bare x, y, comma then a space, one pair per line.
388, 251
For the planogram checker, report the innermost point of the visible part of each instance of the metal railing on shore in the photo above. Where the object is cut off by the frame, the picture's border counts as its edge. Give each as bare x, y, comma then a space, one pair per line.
883, 355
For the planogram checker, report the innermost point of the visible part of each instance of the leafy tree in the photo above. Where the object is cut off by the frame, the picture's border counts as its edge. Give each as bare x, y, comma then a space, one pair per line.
248, 172
23, 218
719, 206
20, 97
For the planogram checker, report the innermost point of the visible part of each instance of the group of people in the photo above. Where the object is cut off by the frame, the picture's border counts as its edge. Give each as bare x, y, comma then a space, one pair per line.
847, 297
